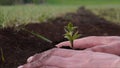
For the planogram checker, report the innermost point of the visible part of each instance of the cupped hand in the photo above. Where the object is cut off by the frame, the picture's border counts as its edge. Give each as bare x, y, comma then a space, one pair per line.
106, 44
63, 58
96, 55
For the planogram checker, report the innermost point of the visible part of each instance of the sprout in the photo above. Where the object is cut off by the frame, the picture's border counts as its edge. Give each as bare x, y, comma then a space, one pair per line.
2, 55
71, 34
38, 35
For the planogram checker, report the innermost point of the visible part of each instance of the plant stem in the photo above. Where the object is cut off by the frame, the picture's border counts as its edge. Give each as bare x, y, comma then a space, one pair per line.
71, 43
2, 55
38, 35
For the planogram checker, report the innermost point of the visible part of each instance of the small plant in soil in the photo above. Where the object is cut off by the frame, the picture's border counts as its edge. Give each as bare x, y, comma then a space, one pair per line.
71, 33
2, 55
38, 35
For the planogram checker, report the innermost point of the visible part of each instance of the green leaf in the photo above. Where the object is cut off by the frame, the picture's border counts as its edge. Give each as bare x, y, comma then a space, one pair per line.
70, 35
42, 37
38, 35
70, 27
2, 55
76, 35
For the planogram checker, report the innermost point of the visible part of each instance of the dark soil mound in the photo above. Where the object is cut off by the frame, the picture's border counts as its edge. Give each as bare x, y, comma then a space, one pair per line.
19, 45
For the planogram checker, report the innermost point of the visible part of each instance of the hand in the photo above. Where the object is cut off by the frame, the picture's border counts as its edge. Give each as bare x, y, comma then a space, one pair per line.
63, 58
106, 44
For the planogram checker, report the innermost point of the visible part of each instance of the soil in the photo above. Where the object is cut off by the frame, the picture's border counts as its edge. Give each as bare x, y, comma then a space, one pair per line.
18, 45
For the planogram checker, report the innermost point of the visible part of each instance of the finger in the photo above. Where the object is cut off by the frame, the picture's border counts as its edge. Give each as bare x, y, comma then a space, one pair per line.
41, 55
37, 60
64, 52
66, 43
90, 41
52, 52
85, 42
52, 61
112, 48
31, 65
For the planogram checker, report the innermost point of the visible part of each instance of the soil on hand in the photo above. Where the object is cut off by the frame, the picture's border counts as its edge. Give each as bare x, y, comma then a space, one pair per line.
18, 45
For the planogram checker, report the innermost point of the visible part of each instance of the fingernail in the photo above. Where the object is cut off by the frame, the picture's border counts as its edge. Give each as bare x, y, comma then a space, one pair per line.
20, 67
57, 46
30, 59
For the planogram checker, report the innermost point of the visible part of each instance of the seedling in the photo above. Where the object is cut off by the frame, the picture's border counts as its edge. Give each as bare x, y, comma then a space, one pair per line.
2, 55
71, 33
38, 35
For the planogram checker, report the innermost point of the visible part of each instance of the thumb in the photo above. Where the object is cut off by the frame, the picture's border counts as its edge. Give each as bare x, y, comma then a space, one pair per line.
66, 43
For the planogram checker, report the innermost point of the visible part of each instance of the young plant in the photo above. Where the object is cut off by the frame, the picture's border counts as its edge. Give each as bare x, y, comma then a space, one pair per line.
38, 35
71, 33
2, 55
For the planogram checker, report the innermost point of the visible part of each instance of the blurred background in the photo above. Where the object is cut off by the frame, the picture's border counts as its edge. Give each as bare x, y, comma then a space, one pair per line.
17, 12
56, 2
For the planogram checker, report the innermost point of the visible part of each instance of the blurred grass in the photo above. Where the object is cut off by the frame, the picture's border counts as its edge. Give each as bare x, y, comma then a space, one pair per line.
83, 2
24, 14
110, 14
16, 15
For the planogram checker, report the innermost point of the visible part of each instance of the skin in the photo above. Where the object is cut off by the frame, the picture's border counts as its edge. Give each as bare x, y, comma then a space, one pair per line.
91, 41
100, 52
